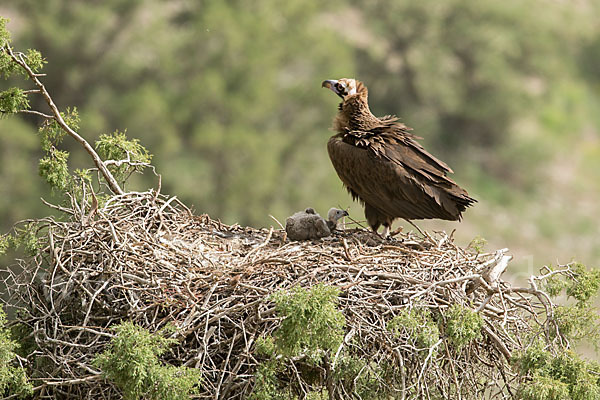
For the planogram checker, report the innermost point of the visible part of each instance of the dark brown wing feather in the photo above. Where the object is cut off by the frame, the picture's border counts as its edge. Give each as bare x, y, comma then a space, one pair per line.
387, 169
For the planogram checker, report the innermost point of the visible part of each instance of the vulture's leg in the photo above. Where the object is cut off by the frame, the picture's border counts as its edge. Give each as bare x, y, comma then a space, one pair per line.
373, 218
387, 226
386, 231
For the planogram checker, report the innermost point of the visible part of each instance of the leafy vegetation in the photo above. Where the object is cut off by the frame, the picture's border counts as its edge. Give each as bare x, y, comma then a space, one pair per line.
463, 325
564, 376
578, 321
117, 147
478, 243
418, 325
311, 321
131, 362
13, 379
311, 326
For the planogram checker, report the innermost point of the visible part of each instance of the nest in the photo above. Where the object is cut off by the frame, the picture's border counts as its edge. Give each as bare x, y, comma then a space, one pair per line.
146, 258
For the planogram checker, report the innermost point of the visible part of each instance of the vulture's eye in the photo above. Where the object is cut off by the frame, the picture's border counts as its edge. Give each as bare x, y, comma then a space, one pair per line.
339, 87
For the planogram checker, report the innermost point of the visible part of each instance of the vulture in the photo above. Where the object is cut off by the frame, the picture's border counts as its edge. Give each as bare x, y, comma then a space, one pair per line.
307, 224
381, 163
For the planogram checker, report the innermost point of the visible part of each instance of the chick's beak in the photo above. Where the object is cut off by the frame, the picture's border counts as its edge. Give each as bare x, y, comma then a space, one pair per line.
345, 213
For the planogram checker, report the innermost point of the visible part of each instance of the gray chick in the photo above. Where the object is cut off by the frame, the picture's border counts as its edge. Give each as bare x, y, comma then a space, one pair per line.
333, 217
308, 224
305, 225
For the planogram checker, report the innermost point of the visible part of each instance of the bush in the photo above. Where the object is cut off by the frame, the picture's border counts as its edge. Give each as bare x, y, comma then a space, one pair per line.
131, 362
13, 380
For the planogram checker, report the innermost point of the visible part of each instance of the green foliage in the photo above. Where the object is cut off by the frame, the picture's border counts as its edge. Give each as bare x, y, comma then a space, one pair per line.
117, 147
535, 358
55, 170
83, 174
266, 383
318, 395
7, 66
35, 60
562, 377
478, 243
131, 362
265, 346
364, 377
54, 166
463, 325
24, 237
418, 324
581, 283
544, 388
554, 285
4, 34
584, 283
51, 133
578, 322
4, 244
311, 324
13, 380
13, 100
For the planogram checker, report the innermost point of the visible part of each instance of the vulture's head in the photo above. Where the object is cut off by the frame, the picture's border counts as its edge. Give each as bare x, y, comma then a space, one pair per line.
335, 214
344, 87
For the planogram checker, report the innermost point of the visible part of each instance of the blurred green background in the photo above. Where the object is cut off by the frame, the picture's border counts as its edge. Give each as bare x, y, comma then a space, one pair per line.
227, 96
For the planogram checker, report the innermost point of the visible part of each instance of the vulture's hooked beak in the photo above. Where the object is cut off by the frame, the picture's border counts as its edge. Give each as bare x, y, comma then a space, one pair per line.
345, 213
332, 85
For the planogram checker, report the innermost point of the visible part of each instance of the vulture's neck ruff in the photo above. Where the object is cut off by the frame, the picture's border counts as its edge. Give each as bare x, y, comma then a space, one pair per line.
355, 110
354, 115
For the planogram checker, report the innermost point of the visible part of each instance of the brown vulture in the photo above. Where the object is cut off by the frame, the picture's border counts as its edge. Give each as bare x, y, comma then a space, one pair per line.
381, 163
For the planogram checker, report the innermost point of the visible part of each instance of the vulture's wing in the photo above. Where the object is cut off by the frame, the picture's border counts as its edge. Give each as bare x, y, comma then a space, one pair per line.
395, 175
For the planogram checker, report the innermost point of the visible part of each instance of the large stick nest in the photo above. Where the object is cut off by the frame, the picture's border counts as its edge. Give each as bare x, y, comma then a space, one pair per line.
146, 258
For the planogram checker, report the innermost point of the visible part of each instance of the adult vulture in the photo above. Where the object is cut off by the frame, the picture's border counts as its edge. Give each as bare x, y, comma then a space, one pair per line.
381, 163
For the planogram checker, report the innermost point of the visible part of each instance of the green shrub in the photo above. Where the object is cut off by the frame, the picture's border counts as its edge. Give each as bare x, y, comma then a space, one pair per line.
131, 363
13, 380
584, 284
311, 324
418, 324
555, 377
266, 383
463, 325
